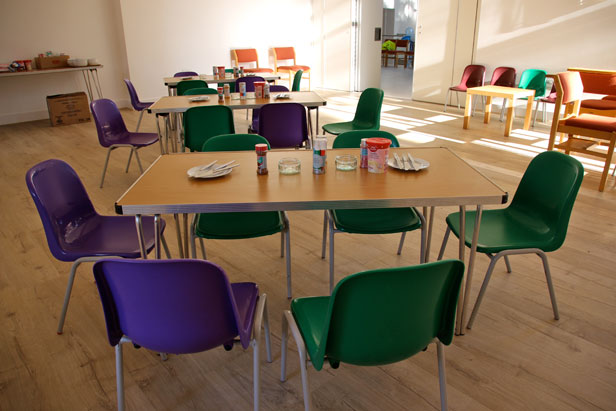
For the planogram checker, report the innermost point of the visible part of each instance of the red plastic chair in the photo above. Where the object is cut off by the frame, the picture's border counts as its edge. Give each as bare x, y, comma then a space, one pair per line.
473, 76
249, 56
288, 54
504, 77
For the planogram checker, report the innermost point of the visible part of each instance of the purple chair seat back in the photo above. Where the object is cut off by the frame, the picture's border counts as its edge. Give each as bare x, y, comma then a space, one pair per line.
173, 306
186, 74
283, 124
109, 122
274, 88
250, 82
134, 98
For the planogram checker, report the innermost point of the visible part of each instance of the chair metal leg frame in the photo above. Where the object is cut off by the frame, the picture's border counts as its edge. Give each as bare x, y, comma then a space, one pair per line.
260, 315
289, 322
139, 121
444, 244
486, 280
442, 377
535, 115
113, 147
120, 372
287, 235
329, 221
193, 237
69, 286
447, 98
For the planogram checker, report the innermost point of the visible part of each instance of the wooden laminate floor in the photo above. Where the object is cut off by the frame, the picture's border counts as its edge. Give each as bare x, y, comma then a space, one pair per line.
516, 357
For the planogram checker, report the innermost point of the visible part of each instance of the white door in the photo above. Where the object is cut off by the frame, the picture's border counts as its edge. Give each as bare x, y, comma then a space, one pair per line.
444, 46
333, 20
369, 50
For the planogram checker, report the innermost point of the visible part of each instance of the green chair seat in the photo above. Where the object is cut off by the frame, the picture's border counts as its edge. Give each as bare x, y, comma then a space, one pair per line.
238, 225
504, 229
367, 114
199, 91
376, 220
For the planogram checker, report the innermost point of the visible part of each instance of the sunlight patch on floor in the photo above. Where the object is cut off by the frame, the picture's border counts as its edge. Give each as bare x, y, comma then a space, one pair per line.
417, 137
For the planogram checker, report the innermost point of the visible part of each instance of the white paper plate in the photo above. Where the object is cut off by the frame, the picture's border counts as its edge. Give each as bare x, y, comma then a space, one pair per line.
419, 162
196, 172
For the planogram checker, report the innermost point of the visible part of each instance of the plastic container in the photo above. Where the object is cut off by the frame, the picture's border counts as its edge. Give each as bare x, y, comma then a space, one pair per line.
221, 72
227, 90
289, 165
242, 90
261, 150
259, 85
221, 95
378, 152
346, 162
319, 155
266, 90
363, 157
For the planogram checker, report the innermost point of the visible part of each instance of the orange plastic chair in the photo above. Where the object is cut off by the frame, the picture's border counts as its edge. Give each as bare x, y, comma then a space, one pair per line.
249, 56
286, 54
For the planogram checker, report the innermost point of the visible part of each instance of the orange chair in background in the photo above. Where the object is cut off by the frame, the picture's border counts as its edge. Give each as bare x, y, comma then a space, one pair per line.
249, 56
288, 54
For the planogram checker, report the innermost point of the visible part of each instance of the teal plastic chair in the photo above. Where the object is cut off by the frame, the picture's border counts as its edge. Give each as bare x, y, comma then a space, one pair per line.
369, 220
535, 222
297, 80
202, 123
228, 226
367, 114
532, 79
199, 91
376, 317
188, 84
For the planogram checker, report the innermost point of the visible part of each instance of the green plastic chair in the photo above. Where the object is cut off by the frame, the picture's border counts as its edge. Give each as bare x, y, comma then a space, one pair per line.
367, 114
369, 220
297, 80
535, 222
199, 91
228, 226
202, 123
188, 84
376, 317
532, 79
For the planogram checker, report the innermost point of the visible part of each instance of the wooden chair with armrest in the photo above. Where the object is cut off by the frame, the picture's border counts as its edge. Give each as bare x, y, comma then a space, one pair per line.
583, 130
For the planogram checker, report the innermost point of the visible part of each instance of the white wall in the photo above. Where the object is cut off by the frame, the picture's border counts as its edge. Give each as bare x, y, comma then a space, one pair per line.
164, 37
79, 28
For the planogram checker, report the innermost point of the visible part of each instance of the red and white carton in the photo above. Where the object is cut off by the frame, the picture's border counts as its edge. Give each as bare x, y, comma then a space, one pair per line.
259, 86
378, 152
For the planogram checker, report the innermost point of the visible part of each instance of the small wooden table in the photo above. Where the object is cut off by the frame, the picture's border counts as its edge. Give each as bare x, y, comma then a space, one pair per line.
508, 93
449, 181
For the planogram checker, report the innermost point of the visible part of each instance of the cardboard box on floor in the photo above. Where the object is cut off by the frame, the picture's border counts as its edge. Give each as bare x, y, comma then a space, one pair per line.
68, 108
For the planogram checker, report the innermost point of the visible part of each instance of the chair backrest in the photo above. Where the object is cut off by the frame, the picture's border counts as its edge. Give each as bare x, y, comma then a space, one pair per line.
547, 192
278, 88
352, 139
171, 306
199, 91
250, 82
533, 79
503, 76
189, 84
134, 99
246, 56
473, 76
110, 125
368, 112
201, 123
234, 142
63, 205
384, 316
283, 124
186, 74
297, 80
569, 87
402, 44
284, 53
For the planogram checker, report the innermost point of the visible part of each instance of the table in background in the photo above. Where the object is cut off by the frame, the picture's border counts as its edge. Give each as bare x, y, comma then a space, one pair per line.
172, 82
165, 188
90, 76
179, 104
508, 93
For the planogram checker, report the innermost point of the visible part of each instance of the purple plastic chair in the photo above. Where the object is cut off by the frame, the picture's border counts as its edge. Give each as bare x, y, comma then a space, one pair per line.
112, 133
179, 307
473, 76
284, 125
250, 82
138, 105
254, 127
74, 230
186, 74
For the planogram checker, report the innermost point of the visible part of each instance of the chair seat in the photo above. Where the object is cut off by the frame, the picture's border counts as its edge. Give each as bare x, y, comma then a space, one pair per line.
459, 87
376, 220
505, 229
246, 296
598, 104
339, 128
142, 105
294, 68
592, 121
134, 139
310, 315
238, 225
101, 236
259, 70
613, 98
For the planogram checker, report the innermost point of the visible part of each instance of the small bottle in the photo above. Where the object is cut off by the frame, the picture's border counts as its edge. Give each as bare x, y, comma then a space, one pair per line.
227, 90
261, 150
242, 90
221, 96
319, 155
266, 90
363, 159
